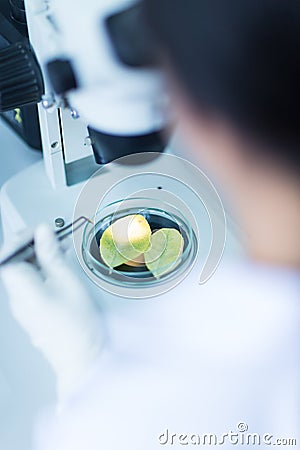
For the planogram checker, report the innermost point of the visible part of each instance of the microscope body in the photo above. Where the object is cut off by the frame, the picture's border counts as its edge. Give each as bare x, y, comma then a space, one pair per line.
89, 67
92, 106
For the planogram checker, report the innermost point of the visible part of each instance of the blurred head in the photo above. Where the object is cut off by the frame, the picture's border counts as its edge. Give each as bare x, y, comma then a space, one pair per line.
234, 69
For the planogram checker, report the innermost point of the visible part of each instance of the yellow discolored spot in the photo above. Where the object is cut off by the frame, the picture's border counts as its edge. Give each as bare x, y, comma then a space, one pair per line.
18, 117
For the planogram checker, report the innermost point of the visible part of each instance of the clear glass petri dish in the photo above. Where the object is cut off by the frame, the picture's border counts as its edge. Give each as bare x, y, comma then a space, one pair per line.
159, 214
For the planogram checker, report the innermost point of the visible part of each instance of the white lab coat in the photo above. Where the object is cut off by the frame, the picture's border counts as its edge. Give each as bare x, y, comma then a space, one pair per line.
200, 359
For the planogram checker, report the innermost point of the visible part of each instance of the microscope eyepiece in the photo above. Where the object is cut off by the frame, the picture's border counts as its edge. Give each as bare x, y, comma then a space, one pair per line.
131, 38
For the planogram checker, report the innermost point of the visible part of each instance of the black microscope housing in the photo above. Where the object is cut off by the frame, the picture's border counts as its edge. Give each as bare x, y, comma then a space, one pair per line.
21, 82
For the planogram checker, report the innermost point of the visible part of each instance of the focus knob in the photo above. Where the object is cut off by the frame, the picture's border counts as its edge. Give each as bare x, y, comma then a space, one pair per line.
17, 9
21, 81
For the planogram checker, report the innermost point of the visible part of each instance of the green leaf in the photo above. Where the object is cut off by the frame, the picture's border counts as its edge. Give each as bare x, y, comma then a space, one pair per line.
165, 251
126, 239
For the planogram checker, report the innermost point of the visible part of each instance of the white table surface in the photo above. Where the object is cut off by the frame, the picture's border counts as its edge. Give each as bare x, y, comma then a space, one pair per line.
26, 382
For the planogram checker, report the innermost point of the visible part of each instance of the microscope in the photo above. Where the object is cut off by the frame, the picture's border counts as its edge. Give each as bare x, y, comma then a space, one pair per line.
102, 94
78, 81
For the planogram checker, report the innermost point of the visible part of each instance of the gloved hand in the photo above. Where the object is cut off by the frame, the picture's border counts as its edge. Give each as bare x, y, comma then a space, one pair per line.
54, 308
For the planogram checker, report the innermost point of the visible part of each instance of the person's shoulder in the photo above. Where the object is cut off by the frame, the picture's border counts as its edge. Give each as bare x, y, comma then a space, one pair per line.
248, 309
245, 279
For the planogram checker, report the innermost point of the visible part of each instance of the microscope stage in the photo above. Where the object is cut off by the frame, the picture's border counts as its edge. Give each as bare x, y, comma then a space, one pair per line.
28, 199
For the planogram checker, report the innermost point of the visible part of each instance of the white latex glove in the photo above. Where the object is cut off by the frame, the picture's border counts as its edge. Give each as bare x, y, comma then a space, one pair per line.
54, 308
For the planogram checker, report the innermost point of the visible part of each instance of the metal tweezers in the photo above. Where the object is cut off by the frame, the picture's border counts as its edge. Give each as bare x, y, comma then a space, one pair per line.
26, 251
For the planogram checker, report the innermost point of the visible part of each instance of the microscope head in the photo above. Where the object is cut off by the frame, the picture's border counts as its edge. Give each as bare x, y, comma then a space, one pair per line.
102, 68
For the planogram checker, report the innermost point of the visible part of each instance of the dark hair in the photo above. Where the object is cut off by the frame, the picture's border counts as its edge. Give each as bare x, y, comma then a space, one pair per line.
240, 58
